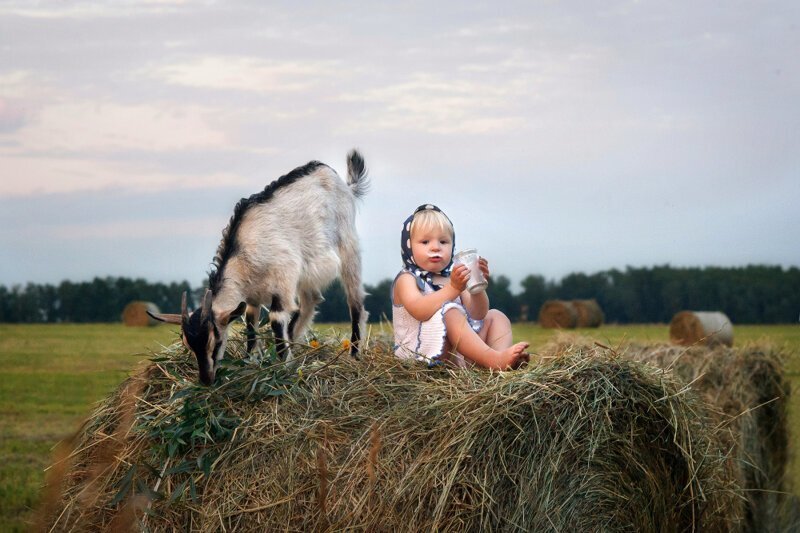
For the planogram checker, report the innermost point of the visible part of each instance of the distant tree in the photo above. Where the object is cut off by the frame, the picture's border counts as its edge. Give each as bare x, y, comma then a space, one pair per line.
378, 301
500, 297
535, 291
6, 314
334, 308
26, 302
752, 294
582, 286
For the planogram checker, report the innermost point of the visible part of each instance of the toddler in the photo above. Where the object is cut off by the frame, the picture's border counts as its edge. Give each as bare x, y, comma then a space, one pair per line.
435, 319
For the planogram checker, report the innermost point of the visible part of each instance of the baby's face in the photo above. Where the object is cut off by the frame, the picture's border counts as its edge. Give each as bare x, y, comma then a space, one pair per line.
432, 249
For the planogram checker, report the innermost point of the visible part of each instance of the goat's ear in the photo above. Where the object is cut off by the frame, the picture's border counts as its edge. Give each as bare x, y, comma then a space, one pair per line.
168, 318
226, 318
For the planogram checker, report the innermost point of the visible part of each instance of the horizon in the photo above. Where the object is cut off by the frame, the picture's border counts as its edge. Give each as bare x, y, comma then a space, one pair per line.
515, 285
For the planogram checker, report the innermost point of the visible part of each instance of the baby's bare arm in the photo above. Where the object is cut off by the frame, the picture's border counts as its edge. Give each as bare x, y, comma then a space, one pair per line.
477, 305
423, 306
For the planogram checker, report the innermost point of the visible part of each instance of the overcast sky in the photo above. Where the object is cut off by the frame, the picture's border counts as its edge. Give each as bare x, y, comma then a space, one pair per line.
558, 137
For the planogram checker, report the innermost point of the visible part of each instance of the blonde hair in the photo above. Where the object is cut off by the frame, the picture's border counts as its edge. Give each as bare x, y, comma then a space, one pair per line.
430, 219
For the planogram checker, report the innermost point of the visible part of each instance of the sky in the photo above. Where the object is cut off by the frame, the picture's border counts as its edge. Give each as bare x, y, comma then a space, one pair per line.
559, 137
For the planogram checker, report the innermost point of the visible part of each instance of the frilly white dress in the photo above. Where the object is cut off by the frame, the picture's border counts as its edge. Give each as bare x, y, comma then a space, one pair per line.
425, 341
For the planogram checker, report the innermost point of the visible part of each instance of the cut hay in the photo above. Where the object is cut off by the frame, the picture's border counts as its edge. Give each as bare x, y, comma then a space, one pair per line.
135, 314
748, 389
584, 442
565, 314
589, 314
746, 395
558, 314
701, 327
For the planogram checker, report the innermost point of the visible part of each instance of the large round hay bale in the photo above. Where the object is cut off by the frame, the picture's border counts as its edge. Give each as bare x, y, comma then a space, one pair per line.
584, 443
746, 394
701, 327
558, 314
135, 314
589, 313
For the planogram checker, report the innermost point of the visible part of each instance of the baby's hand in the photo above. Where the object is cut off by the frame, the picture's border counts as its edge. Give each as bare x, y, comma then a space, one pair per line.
459, 277
483, 264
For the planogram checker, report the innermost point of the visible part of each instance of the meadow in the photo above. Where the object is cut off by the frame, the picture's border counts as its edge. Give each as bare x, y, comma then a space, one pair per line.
54, 374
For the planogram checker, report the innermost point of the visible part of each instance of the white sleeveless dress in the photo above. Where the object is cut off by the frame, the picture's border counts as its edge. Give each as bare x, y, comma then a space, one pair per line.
424, 341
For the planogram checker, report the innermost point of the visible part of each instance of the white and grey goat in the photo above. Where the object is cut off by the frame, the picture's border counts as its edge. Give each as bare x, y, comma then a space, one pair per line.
281, 248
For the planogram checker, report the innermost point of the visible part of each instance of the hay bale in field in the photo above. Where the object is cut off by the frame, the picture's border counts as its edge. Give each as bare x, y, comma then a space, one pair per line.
589, 314
707, 327
750, 394
558, 314
746, 394
135, 314
584, 443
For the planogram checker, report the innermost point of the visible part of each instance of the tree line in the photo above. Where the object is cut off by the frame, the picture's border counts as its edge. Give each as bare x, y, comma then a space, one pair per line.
755, 294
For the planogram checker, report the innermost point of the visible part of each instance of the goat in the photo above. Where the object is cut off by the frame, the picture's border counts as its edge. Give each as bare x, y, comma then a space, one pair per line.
281, 248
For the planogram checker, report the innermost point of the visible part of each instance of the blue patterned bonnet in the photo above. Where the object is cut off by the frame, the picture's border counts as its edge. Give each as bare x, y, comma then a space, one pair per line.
408, 257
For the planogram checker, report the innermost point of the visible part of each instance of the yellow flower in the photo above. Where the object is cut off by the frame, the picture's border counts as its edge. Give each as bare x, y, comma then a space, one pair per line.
314, 343
345, 344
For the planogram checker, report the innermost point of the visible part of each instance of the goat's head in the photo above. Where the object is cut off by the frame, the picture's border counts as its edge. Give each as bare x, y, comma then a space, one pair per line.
204, 333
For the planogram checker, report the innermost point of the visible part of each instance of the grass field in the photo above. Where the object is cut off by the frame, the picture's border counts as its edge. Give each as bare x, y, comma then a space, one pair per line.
53, 374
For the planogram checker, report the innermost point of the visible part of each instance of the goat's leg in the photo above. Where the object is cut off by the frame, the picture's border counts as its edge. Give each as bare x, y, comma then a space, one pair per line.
280, 314
351, 279
251, 320
309, 299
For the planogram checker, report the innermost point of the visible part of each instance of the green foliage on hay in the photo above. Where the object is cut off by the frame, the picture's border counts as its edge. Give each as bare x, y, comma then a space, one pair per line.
585, 441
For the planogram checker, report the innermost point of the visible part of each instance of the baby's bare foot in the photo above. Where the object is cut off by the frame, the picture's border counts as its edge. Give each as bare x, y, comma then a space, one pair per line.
516, 355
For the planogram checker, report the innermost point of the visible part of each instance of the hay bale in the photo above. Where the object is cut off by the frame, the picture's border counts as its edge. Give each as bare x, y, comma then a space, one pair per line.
589, 313
588, 442
706, 327
558, 314
746, 394
135, 314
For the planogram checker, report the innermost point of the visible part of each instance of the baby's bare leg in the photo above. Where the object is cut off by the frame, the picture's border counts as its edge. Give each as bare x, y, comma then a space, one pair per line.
496, 331
469, 344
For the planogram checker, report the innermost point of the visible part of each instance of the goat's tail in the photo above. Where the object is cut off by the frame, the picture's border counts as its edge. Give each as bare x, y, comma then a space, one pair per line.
357, 174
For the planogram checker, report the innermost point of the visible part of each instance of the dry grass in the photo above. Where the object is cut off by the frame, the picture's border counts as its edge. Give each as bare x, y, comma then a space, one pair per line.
558, 314
586, 440
745, 395
589, 314
135, 314
690, 328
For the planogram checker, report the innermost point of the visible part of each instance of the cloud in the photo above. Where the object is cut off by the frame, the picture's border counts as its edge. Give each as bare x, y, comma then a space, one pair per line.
101, 127
497, 28
12, 116
89, 9
21, 84
85, 145
27, 176
137, 229
249, 74
209, 227
435, 104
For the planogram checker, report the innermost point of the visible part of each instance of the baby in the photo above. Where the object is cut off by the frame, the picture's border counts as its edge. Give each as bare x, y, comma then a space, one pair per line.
435, 319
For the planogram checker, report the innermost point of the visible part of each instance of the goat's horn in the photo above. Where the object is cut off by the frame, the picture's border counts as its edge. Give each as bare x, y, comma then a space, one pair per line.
184, 310
206, 305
